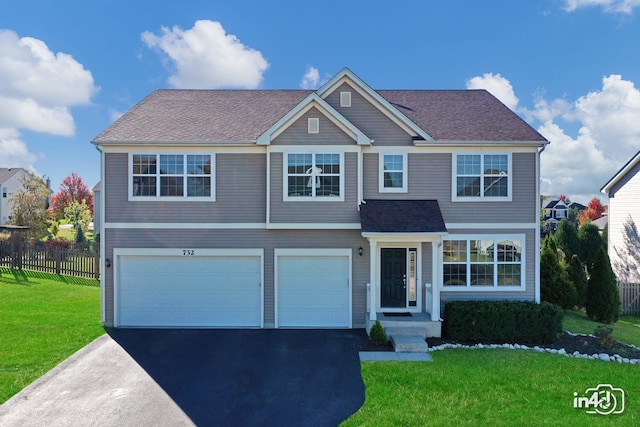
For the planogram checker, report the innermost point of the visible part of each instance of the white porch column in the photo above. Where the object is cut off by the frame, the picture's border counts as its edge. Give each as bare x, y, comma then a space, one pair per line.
435, 280
375, 282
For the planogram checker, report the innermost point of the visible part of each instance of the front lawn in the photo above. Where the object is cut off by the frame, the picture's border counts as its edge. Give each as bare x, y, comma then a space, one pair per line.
626, 330
495, 387
44, 318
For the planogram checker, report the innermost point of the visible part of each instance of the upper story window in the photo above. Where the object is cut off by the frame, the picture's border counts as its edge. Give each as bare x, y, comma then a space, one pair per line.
482, 177
4, 192
171, 175
392, 173
484, 261
314, 175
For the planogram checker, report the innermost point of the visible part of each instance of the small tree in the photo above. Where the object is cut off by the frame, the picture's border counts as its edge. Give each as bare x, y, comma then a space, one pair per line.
72, 189
29, 205
593, 211
555, 286
602, 299
590, 244
78, 214
566, 238
578, 276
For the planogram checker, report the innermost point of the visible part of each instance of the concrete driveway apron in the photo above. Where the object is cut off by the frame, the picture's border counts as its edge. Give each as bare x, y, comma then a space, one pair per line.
146, 377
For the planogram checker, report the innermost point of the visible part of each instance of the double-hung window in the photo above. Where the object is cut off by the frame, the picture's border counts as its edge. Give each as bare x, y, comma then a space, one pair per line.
172, 175
483, 262
482, 177
313, 175
393, 173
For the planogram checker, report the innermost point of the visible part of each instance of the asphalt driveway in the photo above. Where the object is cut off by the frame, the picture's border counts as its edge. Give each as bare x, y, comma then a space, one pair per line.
172, 377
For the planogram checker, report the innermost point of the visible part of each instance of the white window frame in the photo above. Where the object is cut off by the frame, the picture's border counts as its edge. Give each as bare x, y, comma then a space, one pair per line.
185, 175
405, 169
489, 288
481, 197
312, 176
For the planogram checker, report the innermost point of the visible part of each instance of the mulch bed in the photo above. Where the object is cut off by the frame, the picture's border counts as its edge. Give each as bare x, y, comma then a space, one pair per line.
583, 344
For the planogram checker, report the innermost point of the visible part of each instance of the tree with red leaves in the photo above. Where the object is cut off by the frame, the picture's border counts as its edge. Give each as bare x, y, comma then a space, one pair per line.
594, 210
72, 189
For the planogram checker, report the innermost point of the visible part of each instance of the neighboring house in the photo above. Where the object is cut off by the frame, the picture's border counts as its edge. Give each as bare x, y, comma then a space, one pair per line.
623, 191
10, 182
555, 210
327, 208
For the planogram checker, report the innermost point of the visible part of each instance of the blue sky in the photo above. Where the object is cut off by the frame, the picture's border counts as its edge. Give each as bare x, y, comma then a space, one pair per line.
570, 68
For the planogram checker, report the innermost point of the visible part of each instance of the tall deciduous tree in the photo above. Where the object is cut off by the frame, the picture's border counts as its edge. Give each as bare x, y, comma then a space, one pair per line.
72, 189
29, 205
594, 210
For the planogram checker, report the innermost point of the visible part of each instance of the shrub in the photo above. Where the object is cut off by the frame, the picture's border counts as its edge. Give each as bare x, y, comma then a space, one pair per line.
578, 276
523, 322
59, 243
377, 334
604, 335
555, 286
603, 300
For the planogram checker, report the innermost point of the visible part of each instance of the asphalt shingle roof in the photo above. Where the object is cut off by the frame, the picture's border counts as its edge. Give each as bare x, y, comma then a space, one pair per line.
6, 173
401, 216
229, 116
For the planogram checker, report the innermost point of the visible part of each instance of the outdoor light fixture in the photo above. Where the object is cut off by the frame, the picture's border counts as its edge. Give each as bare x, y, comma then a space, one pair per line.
360, 251
107, 263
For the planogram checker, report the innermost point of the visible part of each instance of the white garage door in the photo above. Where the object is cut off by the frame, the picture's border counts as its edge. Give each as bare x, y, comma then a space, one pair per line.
313, 290
189, 291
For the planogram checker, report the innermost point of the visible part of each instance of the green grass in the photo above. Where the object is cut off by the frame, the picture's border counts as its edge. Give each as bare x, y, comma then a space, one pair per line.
44, 318
626, 330
499, 387
496, 387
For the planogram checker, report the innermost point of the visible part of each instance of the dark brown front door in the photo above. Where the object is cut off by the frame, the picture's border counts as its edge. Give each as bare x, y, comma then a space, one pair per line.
393, 283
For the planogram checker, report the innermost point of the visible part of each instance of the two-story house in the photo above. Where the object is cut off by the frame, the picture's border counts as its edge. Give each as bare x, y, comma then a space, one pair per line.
326, 208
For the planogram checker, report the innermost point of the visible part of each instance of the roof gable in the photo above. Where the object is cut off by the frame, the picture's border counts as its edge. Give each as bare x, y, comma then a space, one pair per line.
311, 101
608, 187
7, 173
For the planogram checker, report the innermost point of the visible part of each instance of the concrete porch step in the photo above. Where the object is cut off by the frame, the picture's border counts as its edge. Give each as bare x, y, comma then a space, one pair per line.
406, 330
409, 344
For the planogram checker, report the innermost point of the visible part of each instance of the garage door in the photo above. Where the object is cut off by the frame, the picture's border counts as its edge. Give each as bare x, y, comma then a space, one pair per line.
189, 291
313, 290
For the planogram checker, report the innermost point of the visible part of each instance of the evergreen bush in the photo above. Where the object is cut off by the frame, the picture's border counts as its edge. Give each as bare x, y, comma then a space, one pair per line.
555, 286
602, 299
377, 334
522, 322
578, 276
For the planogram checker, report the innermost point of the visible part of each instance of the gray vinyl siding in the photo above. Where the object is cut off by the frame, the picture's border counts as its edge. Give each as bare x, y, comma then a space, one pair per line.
238, 239
430, 178
315, 211
239, 185
297, 133
369, 119
624, 216
530, 270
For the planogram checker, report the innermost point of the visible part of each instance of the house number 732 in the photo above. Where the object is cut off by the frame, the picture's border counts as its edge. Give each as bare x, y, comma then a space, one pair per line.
188, 252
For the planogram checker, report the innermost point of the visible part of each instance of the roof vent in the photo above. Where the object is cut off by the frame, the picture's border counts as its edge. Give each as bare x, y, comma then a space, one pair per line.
313, 125
345, 99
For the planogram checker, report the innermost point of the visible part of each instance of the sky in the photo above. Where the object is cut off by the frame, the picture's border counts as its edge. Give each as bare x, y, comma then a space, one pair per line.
570, 68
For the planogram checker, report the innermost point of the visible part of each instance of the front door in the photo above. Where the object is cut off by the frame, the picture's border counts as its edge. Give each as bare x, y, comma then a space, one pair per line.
393, 283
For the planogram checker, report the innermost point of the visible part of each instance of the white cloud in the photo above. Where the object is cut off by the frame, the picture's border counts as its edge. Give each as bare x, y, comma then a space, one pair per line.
206, 57
311, 78
37, 90
611, 6
608, 137
498, 86
14, 151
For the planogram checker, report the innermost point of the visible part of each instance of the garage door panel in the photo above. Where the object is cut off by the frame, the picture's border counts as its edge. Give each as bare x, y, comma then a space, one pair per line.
313, 291
205, 291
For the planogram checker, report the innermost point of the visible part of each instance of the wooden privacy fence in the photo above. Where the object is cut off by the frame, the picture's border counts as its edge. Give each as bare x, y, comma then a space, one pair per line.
69, 259
629, 297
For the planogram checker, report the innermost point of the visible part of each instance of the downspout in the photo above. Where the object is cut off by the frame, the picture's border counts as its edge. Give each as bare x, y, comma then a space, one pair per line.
102, 237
